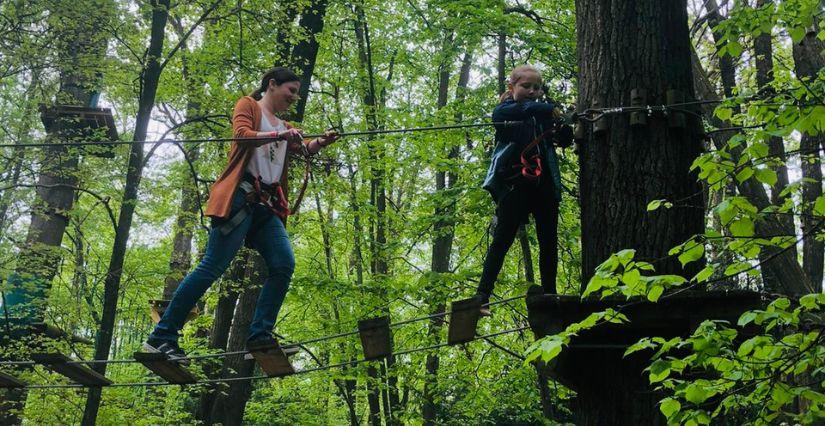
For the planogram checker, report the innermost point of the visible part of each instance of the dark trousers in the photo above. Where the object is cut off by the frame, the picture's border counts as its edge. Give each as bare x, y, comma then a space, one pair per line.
514, 209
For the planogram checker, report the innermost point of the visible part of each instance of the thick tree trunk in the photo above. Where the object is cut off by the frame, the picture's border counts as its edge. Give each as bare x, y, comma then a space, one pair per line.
150, 79
624, 169
80, 47
808, 60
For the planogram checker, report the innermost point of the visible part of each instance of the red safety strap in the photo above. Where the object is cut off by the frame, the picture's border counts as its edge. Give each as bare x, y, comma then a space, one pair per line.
282, 209
531, 164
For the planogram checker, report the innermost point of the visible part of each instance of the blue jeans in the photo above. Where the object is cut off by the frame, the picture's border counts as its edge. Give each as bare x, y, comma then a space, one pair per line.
270, 239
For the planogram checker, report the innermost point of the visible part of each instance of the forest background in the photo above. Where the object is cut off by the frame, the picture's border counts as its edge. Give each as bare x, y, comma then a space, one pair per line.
391, 224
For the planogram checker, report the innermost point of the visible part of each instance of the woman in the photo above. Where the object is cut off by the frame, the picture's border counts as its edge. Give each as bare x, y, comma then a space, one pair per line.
248, 202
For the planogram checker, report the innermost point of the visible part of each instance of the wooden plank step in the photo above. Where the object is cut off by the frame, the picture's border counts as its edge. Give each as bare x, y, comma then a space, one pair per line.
7, 381
77, 372
464, 316
168, 370
376, 338
273, 360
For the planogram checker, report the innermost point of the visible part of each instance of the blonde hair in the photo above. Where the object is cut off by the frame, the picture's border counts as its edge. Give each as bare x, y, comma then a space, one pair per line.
517, 74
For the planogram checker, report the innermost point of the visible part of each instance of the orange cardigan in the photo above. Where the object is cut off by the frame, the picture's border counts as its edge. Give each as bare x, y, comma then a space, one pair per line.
246, 121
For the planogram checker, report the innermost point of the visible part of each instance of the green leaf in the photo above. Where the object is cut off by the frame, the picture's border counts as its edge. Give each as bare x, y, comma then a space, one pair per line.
744, 174
694, 252
626, 256
742, 227
655, 204
669, 407
659, 371
724, 113
746, 318
696, 393
797, 34
808, 301
643, 344
766, 176
550, 349
819, 206
704, 274
655, 293
734, 48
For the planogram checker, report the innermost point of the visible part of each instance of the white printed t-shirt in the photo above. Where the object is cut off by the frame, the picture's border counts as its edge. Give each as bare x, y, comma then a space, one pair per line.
268, 160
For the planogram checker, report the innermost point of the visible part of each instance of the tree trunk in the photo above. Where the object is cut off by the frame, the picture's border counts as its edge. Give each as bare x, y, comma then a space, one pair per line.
305, 51
783, 264
80, 47
149, 79
763, 50
443, 228
808, 60
181, 259
219, 336
727, 69
230, 406
378, 243
624, 169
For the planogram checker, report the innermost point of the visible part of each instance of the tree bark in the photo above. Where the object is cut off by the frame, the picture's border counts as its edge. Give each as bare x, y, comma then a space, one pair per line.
180, 260
150, 78
624, 169
305, 51
808, 60
443, 228
763, 50
219, 336
230, 406
80, 47
783, 264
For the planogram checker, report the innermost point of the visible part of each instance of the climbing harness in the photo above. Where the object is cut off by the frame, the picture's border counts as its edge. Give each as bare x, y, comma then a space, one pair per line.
257, 192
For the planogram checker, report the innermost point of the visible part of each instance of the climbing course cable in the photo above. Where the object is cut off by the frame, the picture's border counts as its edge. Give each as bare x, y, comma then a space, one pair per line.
260, 377
307, 136
244, 352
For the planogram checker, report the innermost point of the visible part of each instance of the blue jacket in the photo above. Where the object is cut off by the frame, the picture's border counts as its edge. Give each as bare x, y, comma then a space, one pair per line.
511, 140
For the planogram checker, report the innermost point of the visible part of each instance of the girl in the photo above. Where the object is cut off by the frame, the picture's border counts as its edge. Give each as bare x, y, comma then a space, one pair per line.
523, 178
248, 202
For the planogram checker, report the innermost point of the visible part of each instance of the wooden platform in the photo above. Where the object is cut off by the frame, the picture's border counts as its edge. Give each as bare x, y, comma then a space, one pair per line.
611, 388
76, 372
171, 371
71, 122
